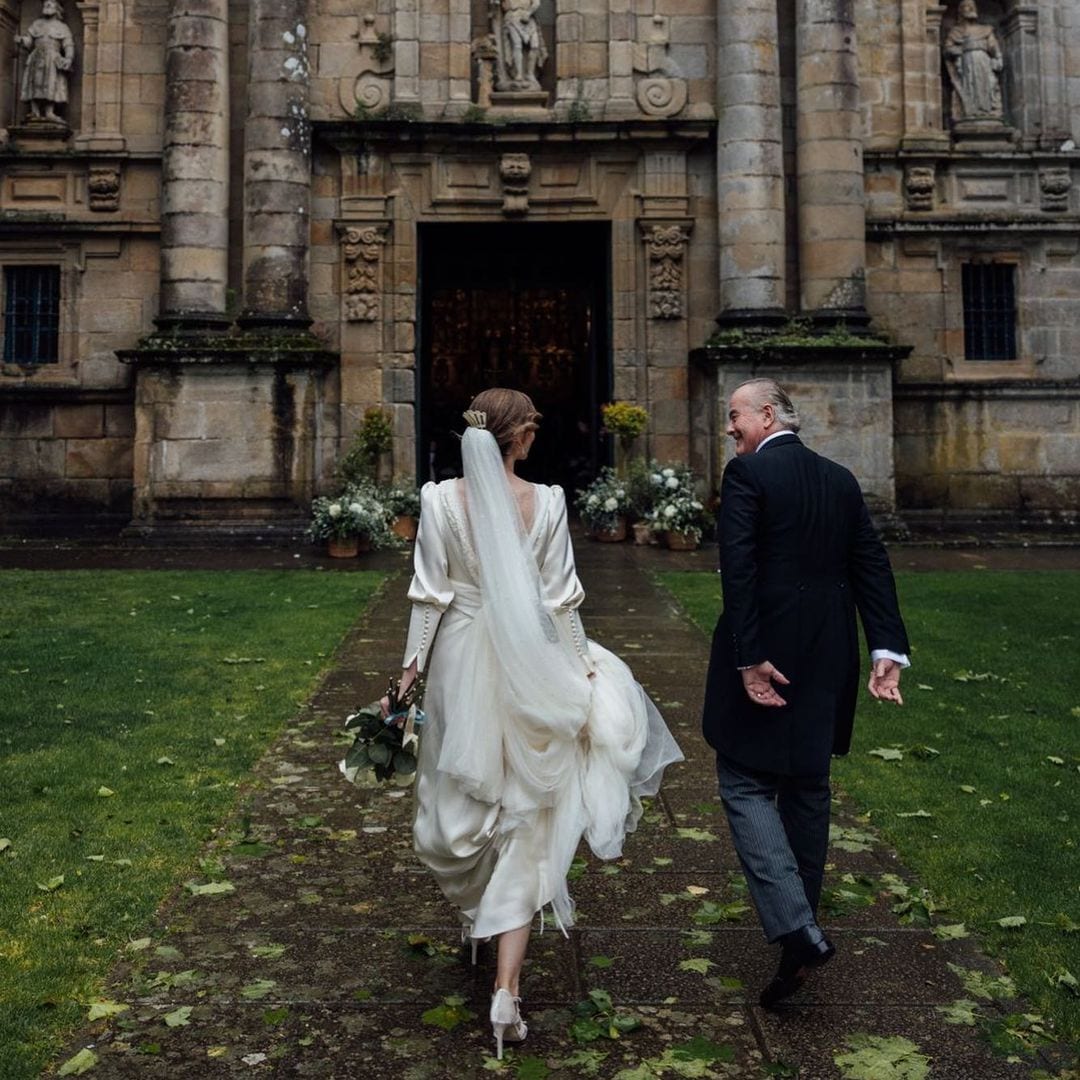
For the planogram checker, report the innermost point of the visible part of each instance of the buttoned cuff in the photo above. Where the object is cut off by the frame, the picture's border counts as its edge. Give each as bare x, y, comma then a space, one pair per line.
888, 654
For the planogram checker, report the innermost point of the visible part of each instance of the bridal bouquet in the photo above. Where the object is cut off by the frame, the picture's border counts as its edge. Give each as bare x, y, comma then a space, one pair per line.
385, 744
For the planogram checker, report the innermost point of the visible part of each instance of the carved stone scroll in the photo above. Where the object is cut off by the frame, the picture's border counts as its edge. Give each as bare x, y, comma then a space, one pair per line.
661, 90
919, 187
665, 246
371, 88
361, 249
515, 170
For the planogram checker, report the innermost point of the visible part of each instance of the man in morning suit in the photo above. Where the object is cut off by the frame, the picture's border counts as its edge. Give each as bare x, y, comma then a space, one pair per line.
799, 556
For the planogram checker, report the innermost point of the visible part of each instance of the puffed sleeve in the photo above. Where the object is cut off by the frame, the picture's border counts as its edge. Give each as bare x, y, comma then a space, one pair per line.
558, 574
430, 591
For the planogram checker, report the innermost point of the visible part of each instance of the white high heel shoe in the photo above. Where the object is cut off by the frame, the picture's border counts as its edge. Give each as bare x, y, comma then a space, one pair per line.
506, 1020
466, 935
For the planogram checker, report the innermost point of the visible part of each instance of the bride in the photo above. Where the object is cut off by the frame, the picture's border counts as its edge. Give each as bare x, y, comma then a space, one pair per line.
535, 735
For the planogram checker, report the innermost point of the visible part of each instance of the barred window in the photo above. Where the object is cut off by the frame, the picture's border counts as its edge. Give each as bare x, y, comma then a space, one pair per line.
31, 314
989, 311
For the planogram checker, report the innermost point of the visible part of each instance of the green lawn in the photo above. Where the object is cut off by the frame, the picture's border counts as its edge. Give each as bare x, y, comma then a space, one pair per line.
132, 705
990, 737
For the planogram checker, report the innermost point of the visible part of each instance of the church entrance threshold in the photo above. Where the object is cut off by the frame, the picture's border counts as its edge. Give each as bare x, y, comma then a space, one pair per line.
524, 306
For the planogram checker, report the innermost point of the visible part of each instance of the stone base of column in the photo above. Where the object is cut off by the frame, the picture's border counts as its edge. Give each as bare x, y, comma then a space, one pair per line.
229, 432
269, 322
857, 320
843, 392
765, 319
193, 323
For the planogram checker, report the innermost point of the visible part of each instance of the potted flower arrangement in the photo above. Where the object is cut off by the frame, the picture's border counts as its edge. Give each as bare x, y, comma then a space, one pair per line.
355, 521
603, 506
644, 483
402, 503
626, 422
677, 512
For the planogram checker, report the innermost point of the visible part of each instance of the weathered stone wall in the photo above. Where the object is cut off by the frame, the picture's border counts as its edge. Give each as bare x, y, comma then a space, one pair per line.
989, 451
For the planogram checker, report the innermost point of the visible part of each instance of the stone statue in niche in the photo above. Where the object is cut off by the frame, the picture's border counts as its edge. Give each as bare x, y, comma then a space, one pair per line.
522, 43
974, 62
52, 53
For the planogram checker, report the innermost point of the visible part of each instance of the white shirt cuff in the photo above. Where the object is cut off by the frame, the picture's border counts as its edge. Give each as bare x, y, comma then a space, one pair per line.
887, 654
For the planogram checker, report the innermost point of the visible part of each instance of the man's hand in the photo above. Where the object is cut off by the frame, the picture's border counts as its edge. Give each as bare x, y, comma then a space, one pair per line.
884, 681
758, 682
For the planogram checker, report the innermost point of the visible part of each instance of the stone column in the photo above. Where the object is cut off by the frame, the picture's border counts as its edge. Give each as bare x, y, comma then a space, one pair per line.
832, 208
195, 168
277, 167
750, 163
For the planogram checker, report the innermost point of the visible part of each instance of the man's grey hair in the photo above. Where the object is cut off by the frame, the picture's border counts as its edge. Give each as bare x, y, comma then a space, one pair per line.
770, 392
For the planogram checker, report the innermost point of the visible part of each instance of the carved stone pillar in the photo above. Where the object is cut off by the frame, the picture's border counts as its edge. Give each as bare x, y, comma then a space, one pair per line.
195, 167
277, 167
1022, 79
832, 208
750, 163
102, 58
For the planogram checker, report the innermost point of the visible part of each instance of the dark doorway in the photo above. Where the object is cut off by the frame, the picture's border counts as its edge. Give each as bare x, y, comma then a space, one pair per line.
524, 306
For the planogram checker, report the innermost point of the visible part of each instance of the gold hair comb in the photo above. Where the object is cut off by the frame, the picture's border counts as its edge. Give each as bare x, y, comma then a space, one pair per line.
475, 419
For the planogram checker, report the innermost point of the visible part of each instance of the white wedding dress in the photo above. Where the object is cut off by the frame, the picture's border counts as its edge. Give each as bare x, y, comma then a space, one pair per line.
535, 736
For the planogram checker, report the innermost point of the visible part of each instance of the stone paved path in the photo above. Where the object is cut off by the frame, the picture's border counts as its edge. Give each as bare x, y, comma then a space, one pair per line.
334, 943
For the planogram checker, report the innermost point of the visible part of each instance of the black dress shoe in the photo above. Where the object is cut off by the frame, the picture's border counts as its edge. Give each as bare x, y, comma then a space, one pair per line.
802, 950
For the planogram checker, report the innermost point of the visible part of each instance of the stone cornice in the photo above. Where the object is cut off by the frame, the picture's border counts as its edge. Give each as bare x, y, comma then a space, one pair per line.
254, 350
55, 393
347, 134
988, 389
979, 223
780, 355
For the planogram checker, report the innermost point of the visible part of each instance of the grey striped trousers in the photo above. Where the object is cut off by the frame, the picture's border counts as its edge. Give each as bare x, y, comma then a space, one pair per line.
780, 828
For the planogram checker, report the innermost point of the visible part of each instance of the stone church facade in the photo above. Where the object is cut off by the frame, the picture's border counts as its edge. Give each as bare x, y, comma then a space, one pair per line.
229, 228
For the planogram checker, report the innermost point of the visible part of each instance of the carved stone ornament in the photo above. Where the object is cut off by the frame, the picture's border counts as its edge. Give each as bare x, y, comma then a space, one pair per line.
369, 90
515, 170
50, 49
665, 246
661, 90
1055, 183
103, 185
919, 187
486, 57
361, 248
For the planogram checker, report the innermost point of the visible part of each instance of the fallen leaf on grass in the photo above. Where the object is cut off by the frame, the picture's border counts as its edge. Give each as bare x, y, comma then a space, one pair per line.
916, 813
1063, 979
967, 789
179, 1017
695, 834
699, 964
951, 932
1012, 922
5, 843
876, 1057
449, 1014
257, 989
82, 1062
601, 961
268, 952
138, 944
97, 1010
887, 753
105, 793
981, 985
963, 1011
165, 761
1055, 760
211, 888
52, 884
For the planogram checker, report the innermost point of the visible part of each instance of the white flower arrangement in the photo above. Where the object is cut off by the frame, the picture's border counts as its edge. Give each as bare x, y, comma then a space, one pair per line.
676, 508
604, 501
357, 511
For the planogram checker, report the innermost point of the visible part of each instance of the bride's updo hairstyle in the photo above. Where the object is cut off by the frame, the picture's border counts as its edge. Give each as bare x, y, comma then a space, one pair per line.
509, 413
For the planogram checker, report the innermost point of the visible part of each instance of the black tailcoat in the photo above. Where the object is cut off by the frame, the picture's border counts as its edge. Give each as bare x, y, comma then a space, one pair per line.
798, 555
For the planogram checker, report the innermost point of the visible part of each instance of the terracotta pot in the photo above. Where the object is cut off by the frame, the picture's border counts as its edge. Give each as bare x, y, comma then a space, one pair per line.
677, 541
614, 535
643, 535
404, 525
345, 547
